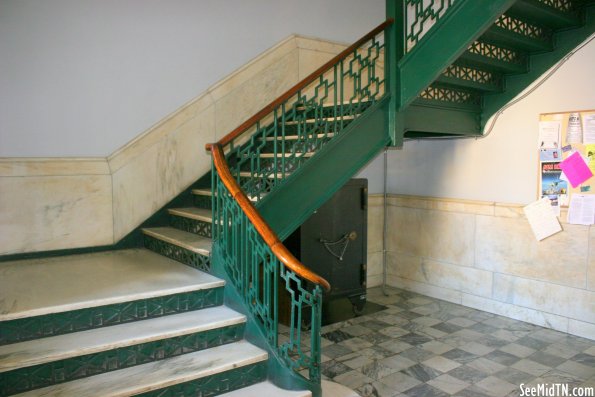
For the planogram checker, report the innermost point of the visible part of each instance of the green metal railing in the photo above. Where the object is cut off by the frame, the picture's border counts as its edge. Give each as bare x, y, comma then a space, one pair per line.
292, 130
420, 16
260, 277
259, 155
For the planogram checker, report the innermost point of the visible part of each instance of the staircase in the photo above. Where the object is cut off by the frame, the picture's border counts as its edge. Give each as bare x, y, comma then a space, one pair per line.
138, 322
492, 51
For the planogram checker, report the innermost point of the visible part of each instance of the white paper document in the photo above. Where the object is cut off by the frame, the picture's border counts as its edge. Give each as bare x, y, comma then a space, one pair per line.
549, 135
542, 219
581, 210
589, 129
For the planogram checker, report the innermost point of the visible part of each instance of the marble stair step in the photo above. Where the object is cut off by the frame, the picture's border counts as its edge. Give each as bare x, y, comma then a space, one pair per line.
198, 214
266, 389
190, 241
61, 284
159, 374
318, 120
272, 175
207, 192
45, 350
299, 137
286, 155
202, 192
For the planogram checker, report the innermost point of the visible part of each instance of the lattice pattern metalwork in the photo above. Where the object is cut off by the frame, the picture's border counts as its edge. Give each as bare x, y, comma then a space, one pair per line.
451, 95
37, 376
472, 74
420, 16
281, 142
258, 275
523, 28
195, 226
215, 385
495, 52
260, 160
80, 320
562, 5
187, 257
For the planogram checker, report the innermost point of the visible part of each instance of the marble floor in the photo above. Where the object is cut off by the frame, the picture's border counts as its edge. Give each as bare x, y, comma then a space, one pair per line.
420, 346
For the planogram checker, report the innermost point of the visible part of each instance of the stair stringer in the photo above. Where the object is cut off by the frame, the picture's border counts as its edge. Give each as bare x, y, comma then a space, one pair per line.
305, 190
566, 41
461, 25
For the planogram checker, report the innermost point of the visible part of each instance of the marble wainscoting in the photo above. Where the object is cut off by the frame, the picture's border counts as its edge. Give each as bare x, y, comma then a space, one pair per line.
375, 232
62, 203
483, 255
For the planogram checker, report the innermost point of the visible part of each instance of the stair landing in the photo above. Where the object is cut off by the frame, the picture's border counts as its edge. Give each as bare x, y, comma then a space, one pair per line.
53, 285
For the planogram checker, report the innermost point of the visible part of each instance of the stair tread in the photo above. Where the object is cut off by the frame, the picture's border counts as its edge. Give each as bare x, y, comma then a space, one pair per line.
296, 155
60, 284
202, 192
271, 175
299, 137
266, 389
40, 351
159, 374
199, 214
193, 242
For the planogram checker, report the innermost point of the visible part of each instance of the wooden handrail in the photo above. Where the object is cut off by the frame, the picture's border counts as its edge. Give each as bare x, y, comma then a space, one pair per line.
216, 149
227, 139
268, 235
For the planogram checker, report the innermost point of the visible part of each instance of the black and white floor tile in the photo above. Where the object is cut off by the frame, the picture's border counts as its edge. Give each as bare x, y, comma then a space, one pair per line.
424, 347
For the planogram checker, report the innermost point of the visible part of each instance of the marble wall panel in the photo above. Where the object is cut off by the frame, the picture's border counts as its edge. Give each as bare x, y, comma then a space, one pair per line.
442, 236
537, 317
454, 277
374, 268
135, 192
565, 301
375, 227
507, 245
254, 94
41, 213
581, 328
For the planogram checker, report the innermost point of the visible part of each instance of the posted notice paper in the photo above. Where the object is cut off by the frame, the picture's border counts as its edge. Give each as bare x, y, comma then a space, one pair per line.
581, 210
542, 219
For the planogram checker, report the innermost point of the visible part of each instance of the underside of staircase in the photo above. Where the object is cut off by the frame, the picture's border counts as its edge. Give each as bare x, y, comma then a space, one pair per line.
174, 316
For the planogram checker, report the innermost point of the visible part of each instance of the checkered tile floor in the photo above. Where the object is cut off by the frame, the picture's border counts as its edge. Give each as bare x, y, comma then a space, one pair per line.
420, 346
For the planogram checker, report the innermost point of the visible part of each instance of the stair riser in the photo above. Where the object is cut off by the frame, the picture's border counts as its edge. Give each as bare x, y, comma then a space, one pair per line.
20, 330
202, 201
24, 379
201, 228
185, 256
216, 384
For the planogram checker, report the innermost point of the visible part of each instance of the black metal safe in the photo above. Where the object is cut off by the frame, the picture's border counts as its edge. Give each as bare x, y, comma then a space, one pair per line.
333, 243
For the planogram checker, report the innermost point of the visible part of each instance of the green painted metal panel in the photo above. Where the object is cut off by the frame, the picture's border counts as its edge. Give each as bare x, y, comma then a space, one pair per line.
565, 40
463, 23
423, 120
319, 178
65, 370
20, 330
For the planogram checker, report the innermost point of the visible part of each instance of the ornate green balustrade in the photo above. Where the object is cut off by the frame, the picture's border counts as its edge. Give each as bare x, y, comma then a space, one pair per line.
292, 130
259, 156
420, 16
261, 278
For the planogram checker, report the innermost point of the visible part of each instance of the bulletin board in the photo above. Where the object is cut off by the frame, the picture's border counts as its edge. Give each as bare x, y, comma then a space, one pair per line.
566, 157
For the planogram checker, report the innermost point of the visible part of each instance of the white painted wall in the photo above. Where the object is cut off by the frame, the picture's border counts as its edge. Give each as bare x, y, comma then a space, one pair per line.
84, 77
501, 167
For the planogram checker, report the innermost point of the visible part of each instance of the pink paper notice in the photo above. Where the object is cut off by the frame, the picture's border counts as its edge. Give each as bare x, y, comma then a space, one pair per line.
575, 169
